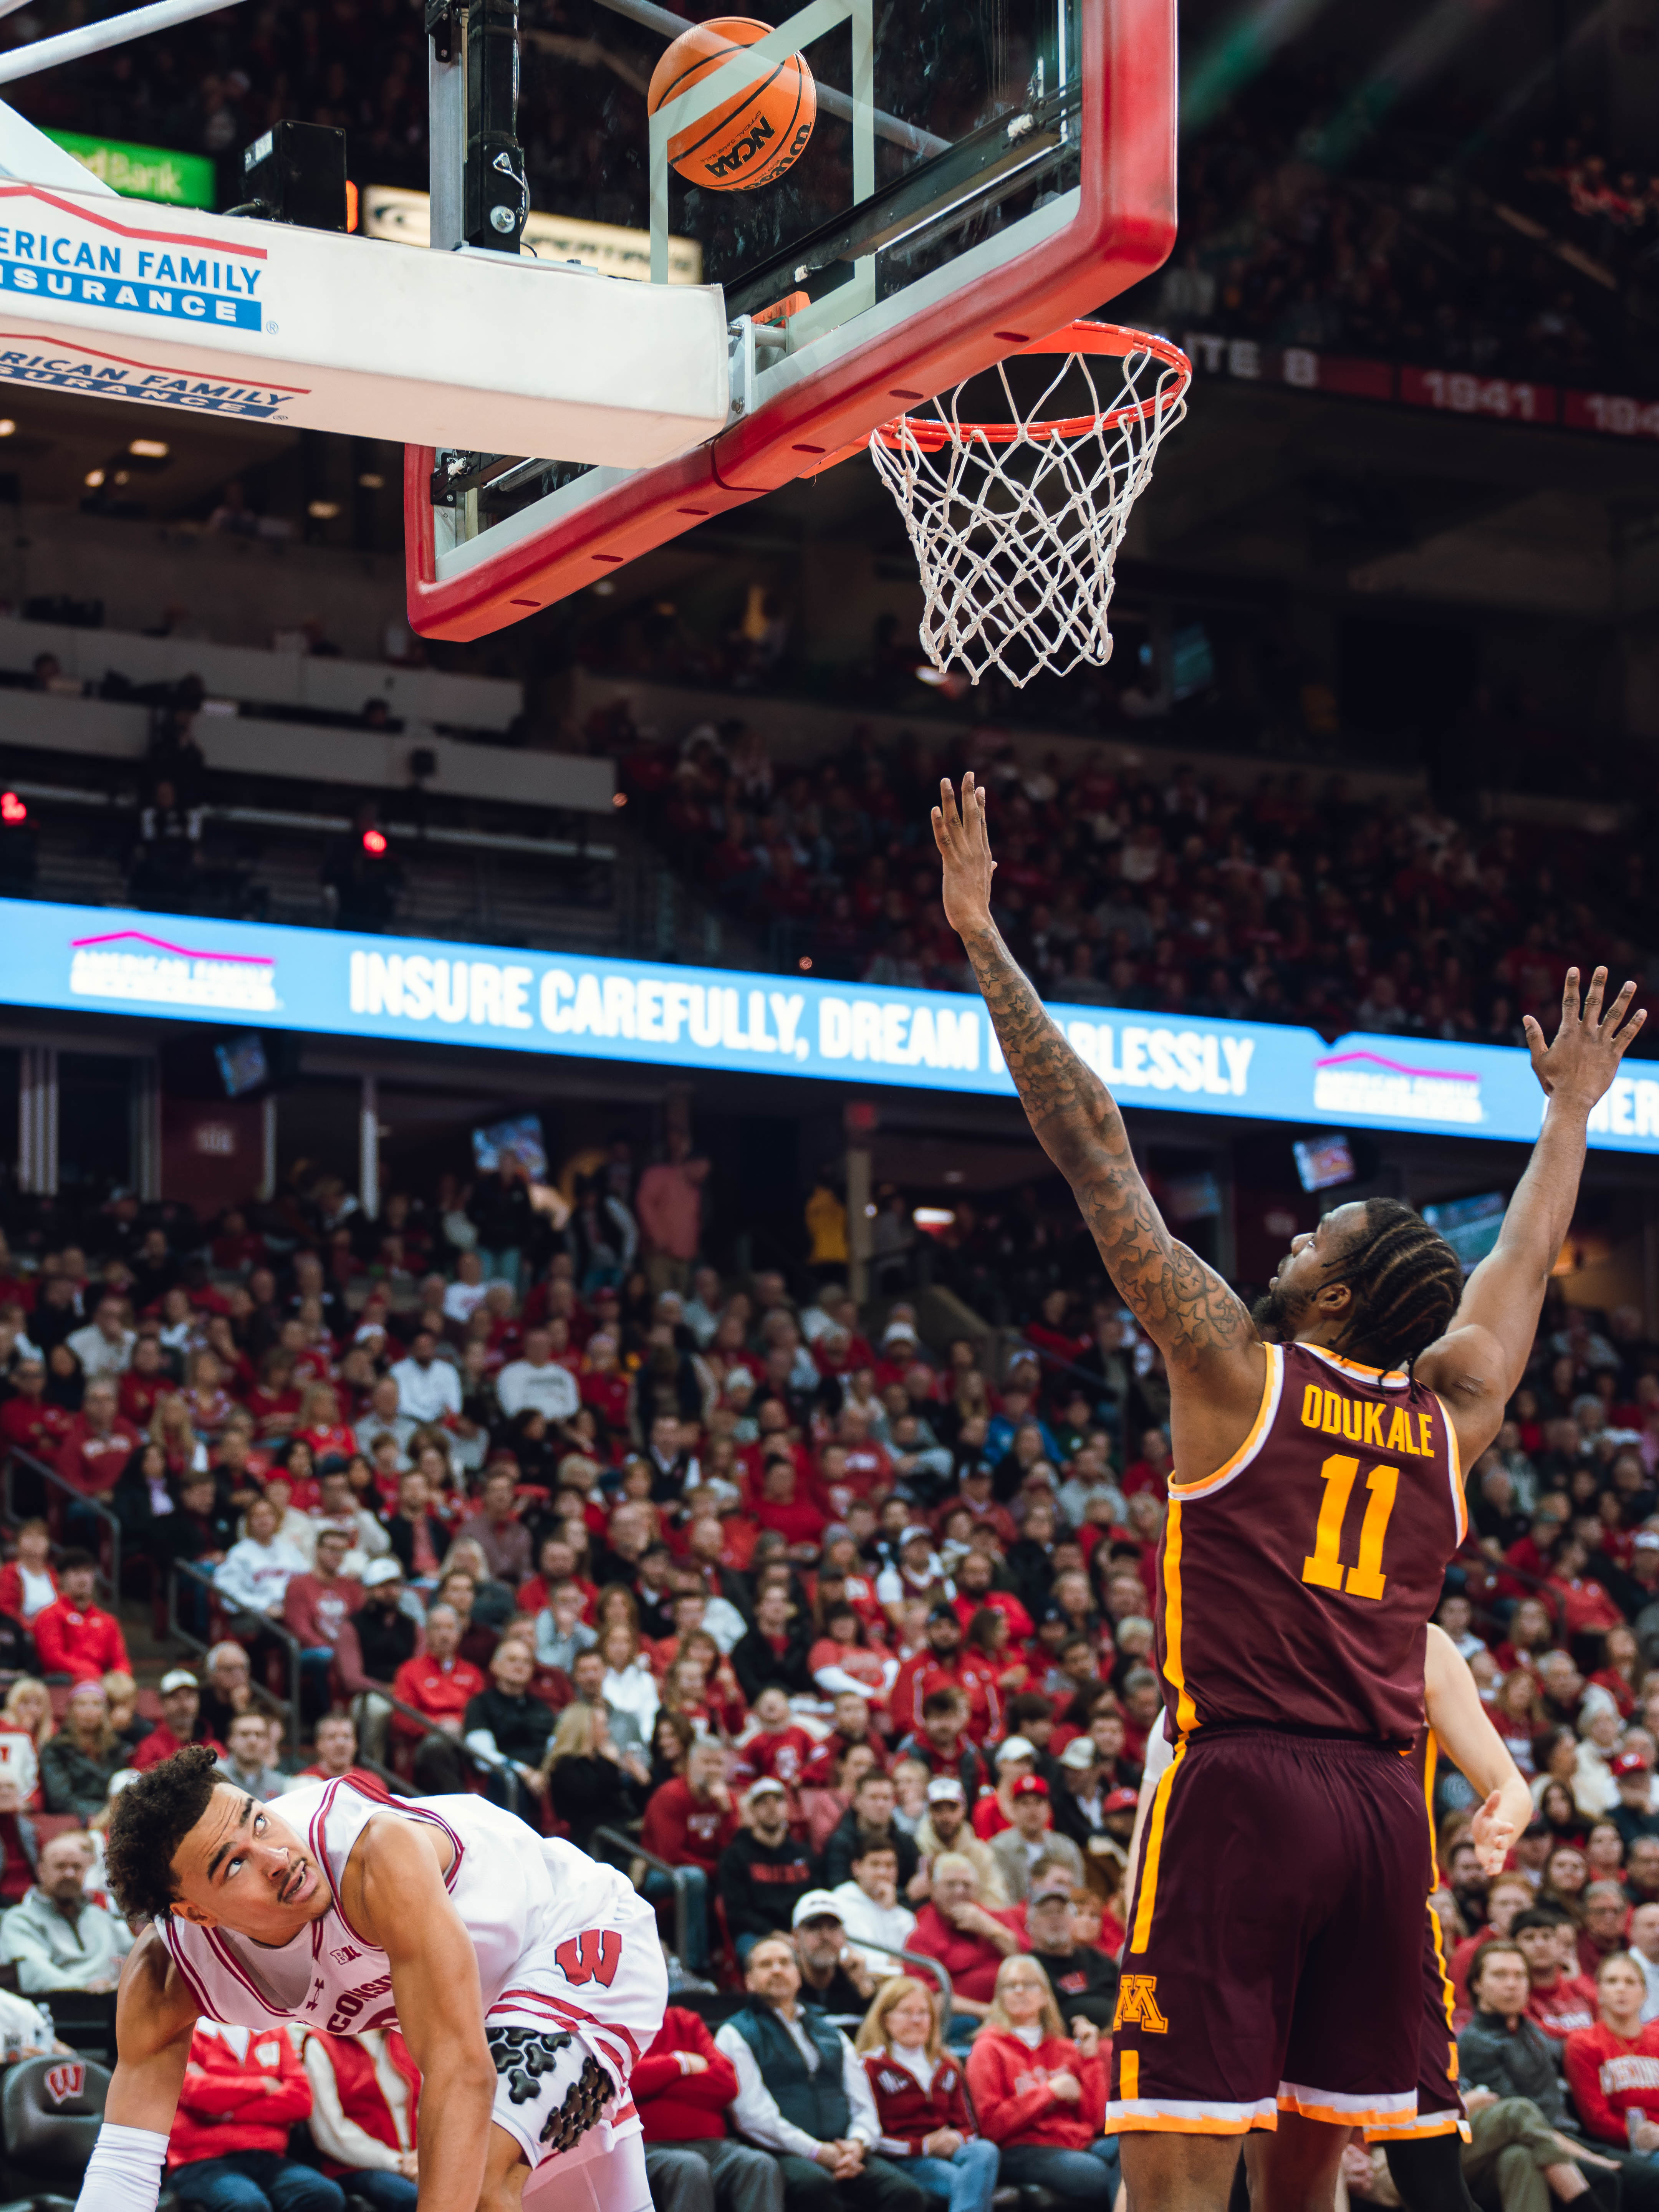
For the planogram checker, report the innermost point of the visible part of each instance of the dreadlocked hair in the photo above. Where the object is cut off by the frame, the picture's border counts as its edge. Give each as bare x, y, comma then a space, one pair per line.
1405, 1280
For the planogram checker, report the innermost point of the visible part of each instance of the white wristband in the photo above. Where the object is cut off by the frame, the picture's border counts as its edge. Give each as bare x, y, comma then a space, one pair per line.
124, 2174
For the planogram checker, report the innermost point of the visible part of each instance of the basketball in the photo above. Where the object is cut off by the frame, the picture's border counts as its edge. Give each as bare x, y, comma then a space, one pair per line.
754, 136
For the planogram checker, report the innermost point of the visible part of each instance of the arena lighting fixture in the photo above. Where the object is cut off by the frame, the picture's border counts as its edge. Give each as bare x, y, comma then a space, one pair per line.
374, 841
371, 483
93, 479
7, 427
323, 510
148, 449
932, 1217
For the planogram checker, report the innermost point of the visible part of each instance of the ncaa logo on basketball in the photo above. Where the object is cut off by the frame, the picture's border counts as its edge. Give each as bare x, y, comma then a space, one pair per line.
743, 150
66, 2082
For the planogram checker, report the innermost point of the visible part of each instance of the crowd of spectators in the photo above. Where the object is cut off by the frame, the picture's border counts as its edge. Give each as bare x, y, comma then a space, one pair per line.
1304, 224
841, 1641
1152, 889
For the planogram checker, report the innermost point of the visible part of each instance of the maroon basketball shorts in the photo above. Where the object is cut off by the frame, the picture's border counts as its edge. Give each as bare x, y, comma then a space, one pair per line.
1275, 1960
1439, 2105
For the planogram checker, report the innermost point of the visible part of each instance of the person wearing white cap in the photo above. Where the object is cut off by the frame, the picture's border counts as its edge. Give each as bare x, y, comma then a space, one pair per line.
181, 1709
803, 2094
1083, 1788
762, 1872
833, 1976
945, 1827
917, 1572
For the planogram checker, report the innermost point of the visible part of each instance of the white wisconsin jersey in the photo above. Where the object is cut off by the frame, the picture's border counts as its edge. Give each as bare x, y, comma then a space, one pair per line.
516, 1892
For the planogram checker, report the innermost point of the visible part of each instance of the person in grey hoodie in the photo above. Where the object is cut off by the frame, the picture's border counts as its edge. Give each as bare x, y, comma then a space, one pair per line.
57, 1938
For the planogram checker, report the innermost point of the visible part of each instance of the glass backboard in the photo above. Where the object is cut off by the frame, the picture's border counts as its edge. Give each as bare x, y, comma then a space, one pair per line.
978, 172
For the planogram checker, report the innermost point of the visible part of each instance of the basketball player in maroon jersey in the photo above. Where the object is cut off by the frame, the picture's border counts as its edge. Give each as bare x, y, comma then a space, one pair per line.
1272, 1977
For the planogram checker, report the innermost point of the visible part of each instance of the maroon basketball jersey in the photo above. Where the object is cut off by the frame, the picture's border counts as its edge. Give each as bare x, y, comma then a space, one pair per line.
1297, 1582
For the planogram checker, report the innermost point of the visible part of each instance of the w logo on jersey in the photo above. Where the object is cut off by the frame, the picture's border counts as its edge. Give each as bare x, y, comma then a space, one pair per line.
592, 1956
1137, 2005
66, 2082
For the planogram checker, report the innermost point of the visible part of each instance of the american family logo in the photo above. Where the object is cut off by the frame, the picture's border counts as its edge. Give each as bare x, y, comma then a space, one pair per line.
97, 375
53, 250
146, 971
1364, 1082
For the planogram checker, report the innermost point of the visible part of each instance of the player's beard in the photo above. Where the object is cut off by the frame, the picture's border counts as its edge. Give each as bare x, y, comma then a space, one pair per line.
1276, 1314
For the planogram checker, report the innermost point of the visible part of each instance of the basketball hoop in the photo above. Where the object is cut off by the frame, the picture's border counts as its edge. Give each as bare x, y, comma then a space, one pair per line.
1016, 525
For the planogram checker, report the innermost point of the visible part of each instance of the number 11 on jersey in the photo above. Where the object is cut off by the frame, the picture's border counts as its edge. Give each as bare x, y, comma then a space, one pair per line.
1323, 1568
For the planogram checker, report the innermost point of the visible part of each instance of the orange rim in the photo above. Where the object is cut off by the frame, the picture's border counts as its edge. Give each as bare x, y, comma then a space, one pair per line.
931, 433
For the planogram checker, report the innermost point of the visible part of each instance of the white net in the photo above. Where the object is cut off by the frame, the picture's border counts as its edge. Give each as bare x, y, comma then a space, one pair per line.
1016, 525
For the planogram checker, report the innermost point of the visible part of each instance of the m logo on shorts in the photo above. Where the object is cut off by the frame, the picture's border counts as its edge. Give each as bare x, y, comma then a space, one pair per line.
66, 2082
1137, 2005
592, 1956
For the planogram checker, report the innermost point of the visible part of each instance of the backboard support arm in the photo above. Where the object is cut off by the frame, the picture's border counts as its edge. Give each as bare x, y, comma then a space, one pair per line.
497, 189
446, 31
96, 38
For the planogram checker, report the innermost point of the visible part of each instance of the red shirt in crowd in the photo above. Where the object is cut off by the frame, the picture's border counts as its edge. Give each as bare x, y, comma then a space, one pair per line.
975, 1677
238, 2100
908, 2112
1612, 2074
313, 1609
362, 2100
440, 1688
784, 1755
31, 1425
684, 1829
1013, 2096
137, 1396
1568, 2004
970, 1960
11, 1588
676, 2106
93, 1463
82, 1642
161, 1743
797, 1520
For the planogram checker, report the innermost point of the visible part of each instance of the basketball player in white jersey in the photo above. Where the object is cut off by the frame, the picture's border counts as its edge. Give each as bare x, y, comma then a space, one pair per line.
525, 1978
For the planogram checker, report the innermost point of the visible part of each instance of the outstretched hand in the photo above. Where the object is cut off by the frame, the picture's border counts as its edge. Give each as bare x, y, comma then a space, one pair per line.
1580, 1065
965, 849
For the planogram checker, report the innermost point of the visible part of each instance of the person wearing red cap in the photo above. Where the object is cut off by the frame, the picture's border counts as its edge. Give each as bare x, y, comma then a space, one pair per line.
1032, 1838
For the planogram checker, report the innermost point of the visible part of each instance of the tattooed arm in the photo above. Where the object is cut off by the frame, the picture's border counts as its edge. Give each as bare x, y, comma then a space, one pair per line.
1199, 1324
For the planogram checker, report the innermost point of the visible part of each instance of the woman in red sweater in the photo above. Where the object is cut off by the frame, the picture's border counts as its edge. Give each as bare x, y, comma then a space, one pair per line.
1613, 2068
917, 2086
1040, 2094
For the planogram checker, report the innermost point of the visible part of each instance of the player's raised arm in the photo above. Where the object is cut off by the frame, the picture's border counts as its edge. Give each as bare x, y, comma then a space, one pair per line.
407, 1911
1452, 1698
1183, 1306
1480, 1361
154, 2018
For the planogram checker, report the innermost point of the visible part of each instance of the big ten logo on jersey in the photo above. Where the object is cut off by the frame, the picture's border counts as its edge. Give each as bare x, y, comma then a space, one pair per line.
65, 2080
346, 2017
1365, 1421
592, 1956
1137, 2005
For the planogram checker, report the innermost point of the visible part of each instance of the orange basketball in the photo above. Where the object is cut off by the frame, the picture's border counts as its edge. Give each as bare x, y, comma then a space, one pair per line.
754, 136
